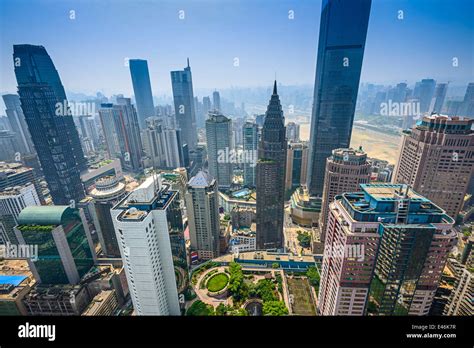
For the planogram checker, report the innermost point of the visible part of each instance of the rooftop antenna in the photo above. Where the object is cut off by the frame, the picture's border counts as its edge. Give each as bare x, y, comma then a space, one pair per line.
188, 62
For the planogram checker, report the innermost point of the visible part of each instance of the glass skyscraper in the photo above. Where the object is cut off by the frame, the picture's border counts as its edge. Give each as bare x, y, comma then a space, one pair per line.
184, 108
54, 135
342, 35
142, 90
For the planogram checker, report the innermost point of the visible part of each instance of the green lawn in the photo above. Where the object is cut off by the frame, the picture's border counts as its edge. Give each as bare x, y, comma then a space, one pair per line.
300, 292
217, 282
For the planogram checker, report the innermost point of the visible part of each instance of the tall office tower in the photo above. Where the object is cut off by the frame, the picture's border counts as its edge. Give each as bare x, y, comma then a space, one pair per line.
293, 132
216, 101
296, 165
436, 160
65, 249
143, 222
54, 135
122, 133
87, 130
184, 108
386, 247
271, 168
162, 145
425, 92
142, 90
206, 106
10, 146
219, 148
439, 96
250, 140
460, 301
346, 169
15, 174
342, 34
199, 111
202, 206
14, 199
18, 123
108, 191
467, 107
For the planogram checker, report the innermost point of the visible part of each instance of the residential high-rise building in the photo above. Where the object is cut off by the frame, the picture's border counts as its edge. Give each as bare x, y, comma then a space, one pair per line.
162, 145
293, 132
271, 168
342, 34
467, 107
143, 222
206, 106
250, 144
122, 133
296, 165
437, 101
202, 206
17, 121
216, 101
142, 90
385, 250
436, 160
65, 249
219, 148
346, 169
108, 191
42, 97
460, 301
184, 108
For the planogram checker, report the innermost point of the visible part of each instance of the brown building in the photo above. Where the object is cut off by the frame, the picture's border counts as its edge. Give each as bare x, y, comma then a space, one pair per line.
346, 169
436, 159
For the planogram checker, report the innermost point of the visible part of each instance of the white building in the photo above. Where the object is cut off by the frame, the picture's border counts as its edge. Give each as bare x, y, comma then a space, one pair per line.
14, 199
141, 225
243, 240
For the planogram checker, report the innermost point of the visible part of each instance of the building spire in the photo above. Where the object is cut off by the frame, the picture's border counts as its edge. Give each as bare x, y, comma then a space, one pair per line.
188, 62
275, 87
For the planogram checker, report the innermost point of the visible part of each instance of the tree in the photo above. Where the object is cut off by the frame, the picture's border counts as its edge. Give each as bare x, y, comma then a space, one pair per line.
266, 290
313, 276
304, 238
199, 308
237, 286
275, 265
222, 309
275, 308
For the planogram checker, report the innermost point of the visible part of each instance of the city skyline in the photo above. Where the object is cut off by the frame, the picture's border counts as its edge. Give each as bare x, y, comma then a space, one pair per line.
402, 38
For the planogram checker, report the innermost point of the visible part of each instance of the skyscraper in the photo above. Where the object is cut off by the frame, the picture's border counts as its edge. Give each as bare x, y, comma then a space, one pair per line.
65, 249
436, 160
216, 101
122, 133
143, 222
346, 169
425, 92
342, 35
184, 108
293, 132
54, 135
271, 168
296, 165
218, 136
437, 101
384, 253
203, 215
17, 121
142, 90
250, 143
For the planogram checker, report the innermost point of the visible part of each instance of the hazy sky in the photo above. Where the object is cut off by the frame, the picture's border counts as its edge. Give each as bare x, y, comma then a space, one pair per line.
89, 51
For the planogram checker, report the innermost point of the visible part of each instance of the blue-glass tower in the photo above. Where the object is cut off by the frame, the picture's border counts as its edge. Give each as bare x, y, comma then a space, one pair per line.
142, 90
342, 35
